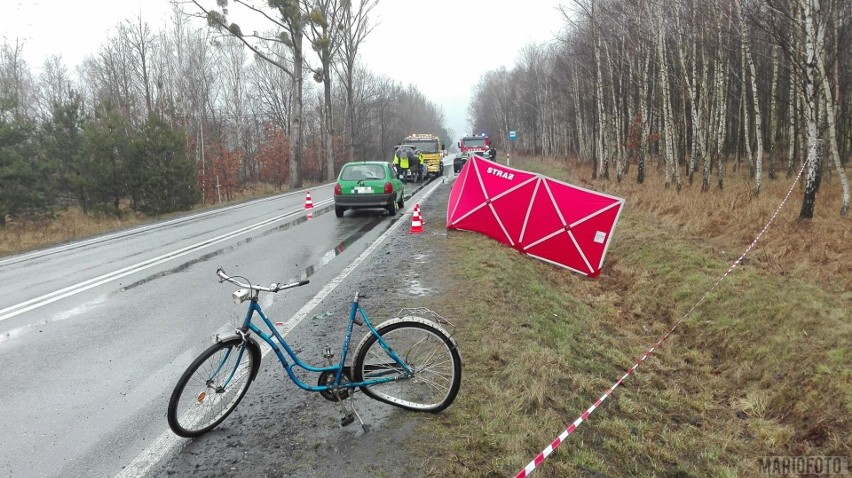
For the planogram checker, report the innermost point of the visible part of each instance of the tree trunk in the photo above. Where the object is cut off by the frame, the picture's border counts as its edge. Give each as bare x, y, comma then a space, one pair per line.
722, 131
717, 124
615, 138
578, 117
350, 113
773, 114
329, 125
672, 174
298, 106
744, 118
645, 135
603, 133
831, 115
697, 147
758, 119
810, 9
792, 119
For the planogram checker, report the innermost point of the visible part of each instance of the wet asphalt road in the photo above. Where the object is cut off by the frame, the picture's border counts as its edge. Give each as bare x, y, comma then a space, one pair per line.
93, 335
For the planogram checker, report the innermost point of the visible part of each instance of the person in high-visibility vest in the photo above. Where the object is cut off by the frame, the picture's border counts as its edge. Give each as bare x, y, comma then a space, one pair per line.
400, 161
424, 169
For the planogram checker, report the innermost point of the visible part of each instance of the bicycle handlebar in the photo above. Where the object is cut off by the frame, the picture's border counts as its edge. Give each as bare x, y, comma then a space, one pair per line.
274, 287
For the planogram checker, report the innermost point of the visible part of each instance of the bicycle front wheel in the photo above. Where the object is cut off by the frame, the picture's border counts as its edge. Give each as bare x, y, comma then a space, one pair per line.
429, 353
212, 387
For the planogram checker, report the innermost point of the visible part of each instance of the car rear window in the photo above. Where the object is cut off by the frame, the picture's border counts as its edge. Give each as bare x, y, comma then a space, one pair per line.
357, 172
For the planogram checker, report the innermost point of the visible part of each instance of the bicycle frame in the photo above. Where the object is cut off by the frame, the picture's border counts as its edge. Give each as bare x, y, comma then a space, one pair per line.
354, 311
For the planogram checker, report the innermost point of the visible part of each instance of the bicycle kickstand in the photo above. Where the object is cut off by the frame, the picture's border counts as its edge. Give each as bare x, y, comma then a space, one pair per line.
349, 416
364, 426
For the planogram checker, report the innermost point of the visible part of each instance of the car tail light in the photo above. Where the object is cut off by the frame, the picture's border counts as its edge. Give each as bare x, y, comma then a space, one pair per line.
337, 189
388, 187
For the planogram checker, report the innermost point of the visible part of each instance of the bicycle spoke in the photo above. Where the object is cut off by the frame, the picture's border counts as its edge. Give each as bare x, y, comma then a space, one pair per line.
211, 388
424, 350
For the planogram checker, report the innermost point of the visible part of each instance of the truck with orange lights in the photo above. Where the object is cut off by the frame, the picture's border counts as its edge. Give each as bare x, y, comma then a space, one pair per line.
430, 148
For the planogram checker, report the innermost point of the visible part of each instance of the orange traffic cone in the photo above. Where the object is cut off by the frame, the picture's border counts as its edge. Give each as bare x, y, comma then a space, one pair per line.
309, 205
416, 223
417, 208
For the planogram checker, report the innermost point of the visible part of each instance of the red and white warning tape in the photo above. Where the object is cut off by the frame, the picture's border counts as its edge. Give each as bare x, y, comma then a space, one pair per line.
538, 460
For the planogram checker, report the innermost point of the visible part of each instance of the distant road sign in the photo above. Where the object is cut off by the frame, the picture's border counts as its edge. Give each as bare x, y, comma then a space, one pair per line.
513, 135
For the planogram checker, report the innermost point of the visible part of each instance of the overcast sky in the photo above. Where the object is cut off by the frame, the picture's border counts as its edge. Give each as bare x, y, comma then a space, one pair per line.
461, 38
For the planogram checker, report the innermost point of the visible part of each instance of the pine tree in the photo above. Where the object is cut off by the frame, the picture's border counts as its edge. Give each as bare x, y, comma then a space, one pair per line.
62, 146
103, 167
23, 189
163, 175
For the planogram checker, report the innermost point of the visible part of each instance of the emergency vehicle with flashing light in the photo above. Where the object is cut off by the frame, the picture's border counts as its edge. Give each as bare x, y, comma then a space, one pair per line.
474, 144
430, 147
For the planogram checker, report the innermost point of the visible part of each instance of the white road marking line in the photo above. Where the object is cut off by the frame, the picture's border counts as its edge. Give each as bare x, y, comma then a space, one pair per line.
56, 295
107, 237
168, 443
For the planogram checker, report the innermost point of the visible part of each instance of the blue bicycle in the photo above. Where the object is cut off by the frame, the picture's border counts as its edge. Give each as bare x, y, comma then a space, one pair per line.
409, 362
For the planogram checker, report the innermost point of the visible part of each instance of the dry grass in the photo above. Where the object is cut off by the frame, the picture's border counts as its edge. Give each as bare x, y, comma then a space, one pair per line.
21, 235
762, 367
71, 224
728, 220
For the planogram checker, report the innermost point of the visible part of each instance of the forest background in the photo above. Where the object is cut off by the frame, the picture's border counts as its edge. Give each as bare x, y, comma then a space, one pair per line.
700, 113
196, 113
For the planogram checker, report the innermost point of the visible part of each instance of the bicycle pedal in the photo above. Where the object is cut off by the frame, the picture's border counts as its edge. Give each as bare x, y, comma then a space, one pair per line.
347, 420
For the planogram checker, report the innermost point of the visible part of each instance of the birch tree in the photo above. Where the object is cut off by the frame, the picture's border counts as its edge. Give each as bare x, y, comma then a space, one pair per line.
757, 160
695, 84
603, 130
672, 172
829, 107
809, 10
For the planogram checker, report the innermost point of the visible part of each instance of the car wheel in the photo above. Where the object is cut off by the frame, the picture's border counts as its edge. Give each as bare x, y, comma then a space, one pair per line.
338, 211
401, 203
392, 208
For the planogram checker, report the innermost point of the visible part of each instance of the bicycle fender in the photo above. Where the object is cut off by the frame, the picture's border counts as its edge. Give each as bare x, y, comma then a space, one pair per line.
411, 318
254, 349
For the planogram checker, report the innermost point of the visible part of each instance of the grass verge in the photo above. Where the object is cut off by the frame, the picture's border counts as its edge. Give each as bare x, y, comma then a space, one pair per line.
762, 367
70, 224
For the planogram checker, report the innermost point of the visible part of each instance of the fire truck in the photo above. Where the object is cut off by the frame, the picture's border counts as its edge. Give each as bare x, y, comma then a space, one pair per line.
475, 143
430, 148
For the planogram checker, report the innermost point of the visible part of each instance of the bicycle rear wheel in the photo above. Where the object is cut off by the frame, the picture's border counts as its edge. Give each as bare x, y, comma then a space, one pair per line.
212, 387
426, 349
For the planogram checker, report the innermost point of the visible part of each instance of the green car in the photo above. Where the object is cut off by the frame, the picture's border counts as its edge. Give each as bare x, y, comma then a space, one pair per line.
368, 185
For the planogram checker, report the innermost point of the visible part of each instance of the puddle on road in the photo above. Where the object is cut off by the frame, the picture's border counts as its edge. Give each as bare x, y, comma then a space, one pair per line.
308, 271
415, 288
311, 269
338, 249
